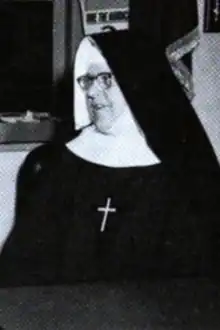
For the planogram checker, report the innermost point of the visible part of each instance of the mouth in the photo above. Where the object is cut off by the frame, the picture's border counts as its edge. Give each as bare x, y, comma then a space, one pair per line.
98, 107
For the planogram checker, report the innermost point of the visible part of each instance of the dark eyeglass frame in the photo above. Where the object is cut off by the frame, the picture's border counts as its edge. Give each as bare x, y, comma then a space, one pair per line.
87, 80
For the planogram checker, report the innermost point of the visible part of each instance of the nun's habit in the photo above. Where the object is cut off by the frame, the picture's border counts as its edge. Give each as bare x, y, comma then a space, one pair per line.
127, 205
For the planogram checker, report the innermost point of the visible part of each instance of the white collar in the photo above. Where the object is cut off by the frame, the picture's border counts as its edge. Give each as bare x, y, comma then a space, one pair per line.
124, 147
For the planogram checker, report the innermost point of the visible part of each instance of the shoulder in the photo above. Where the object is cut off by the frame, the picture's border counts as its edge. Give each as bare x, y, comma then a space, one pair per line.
41, 160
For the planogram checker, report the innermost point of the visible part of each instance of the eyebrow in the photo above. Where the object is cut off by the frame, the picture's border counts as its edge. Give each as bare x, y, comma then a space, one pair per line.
90, 75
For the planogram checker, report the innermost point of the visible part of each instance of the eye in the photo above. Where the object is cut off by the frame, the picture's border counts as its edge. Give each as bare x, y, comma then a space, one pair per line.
105, 78
85, 82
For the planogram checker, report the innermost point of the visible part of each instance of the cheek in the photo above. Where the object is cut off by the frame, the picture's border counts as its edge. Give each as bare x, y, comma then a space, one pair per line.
89, 108
107, 96
118, 102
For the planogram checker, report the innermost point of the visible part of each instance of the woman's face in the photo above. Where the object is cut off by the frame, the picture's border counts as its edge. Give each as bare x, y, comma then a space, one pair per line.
104, 98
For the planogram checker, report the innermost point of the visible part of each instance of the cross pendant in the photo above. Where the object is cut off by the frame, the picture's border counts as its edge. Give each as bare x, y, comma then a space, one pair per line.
106, 210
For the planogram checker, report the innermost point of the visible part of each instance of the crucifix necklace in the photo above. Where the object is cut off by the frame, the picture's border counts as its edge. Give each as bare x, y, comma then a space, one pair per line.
106, 210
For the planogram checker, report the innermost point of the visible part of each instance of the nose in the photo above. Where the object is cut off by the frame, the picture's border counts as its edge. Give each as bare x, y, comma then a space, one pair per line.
94, 91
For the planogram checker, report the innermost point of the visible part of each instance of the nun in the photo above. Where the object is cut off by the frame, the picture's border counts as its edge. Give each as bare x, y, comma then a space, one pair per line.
133, 195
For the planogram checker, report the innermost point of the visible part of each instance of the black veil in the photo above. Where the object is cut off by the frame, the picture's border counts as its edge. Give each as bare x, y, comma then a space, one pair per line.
156, 97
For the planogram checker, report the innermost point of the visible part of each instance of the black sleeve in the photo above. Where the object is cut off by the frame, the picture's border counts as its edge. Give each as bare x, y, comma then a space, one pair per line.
31, 253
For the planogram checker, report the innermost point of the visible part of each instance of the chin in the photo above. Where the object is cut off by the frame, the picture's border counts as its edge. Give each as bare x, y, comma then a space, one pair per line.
106, 130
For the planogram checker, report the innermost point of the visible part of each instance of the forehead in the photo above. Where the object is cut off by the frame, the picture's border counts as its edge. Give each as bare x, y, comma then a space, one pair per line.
95, 68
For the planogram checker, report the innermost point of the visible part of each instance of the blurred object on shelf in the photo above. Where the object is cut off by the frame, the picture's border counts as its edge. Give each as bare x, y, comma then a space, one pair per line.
26, 127
100, 18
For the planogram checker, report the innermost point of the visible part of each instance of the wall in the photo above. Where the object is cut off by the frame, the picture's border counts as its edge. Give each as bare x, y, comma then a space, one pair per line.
60, 35
206, 71
9, 165
58, 39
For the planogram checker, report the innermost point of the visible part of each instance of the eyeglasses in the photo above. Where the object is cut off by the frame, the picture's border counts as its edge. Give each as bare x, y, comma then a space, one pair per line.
104, 79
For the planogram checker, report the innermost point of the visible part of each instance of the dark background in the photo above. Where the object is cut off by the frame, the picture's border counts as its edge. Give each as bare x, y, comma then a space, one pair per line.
26, 56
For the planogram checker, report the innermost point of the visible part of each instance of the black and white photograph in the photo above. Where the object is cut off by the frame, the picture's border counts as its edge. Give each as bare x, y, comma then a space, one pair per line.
110, 164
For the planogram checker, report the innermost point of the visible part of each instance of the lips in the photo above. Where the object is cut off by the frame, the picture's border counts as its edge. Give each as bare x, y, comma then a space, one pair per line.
98, 107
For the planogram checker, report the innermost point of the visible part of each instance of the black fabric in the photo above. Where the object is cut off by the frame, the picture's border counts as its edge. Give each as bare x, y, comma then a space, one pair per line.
167, 118
156, 98
57, 238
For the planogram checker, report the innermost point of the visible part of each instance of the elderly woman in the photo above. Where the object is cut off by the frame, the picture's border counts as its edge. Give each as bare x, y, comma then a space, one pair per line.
131, 196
